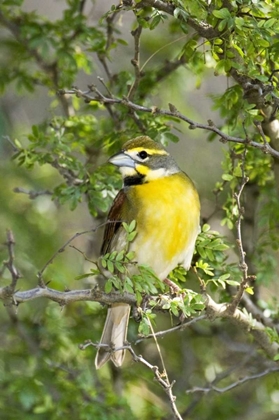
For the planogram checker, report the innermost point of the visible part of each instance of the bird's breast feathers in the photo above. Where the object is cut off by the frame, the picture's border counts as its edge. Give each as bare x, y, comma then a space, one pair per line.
167, 214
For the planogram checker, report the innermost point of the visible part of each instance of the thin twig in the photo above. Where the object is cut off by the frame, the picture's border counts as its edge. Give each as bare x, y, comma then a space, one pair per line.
7, 138
167, 384
174, 64
63, 247
32, 193
180, 327
241, 381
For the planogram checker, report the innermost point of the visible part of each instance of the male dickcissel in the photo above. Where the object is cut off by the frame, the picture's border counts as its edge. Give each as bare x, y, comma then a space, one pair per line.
165, 205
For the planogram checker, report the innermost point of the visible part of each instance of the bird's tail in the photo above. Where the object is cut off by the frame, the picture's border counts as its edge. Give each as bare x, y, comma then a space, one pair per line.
114, 334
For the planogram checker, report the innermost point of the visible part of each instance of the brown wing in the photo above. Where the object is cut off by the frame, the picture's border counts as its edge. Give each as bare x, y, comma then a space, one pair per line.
113, 221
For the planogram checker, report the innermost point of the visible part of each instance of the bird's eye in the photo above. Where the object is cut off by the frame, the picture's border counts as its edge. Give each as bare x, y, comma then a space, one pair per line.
143, 154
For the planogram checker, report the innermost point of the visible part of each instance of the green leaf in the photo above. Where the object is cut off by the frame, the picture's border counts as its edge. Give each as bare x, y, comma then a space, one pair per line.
83, 276
130, 255
110, 266
108, 286
222, 13
119, 267
205, 227
132, 225
232, 282
227, 177
131, 236
120, 256
249, 290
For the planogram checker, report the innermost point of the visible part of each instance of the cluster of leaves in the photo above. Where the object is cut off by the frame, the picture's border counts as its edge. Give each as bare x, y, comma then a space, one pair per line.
45, 52
64, 145
212, 262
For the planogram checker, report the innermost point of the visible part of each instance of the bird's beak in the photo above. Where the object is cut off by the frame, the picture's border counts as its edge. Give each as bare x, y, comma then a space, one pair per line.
121, 159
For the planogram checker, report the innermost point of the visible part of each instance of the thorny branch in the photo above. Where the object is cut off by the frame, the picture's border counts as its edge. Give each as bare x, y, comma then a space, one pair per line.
160, 377
97, 96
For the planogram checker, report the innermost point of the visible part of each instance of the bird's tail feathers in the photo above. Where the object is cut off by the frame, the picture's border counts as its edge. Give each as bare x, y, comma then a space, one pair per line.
114, 334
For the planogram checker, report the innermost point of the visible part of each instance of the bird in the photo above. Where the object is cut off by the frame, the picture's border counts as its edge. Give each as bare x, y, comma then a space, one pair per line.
165, 204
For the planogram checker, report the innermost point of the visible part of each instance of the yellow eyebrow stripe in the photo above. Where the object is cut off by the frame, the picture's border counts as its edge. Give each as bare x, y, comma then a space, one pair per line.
149, 151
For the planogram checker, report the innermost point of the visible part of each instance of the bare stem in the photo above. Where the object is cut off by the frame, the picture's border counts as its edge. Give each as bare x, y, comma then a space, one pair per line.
242, 255
136, 62
10, 263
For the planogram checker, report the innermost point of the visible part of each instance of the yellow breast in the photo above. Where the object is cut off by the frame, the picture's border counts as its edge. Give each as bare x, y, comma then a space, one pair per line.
167, 213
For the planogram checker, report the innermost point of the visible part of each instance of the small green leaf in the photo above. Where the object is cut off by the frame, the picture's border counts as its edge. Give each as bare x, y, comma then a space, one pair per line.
225, 276
132, 226
110, 266
119, 267
108, 286
222, 13
227, 177
131, 236
17, 144
232, 282
120, 256
249, 290
83, 276
130, 255
206, 227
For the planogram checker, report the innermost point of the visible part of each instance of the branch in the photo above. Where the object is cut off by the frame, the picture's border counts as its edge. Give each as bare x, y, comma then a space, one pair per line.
213, 309
172, 112
64, 298
241, 381
31, 193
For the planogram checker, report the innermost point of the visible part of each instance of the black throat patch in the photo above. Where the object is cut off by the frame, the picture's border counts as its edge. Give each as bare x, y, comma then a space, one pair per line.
137, 179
